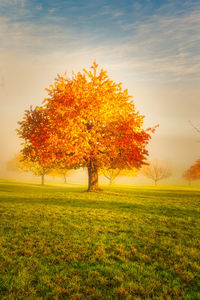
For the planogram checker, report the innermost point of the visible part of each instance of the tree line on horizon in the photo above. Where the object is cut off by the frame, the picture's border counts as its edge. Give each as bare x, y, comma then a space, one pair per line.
155, 170
19, 163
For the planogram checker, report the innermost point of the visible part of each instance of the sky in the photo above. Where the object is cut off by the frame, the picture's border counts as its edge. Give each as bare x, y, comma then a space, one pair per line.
151, 46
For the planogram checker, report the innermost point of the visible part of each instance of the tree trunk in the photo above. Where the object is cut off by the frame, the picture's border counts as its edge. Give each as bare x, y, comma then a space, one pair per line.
92, 177
42, 179
65, 178
111, 181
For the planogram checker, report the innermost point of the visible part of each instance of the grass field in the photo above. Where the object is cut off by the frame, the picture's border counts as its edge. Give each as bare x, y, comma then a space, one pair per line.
60, 242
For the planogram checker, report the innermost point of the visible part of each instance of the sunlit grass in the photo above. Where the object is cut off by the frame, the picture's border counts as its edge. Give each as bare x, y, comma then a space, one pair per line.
60, 242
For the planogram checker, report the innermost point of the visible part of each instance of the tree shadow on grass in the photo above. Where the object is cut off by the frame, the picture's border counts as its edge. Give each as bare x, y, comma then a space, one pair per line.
78, 197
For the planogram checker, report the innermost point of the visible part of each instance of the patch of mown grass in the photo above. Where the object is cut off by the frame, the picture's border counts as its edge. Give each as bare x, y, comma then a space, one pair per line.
60, 242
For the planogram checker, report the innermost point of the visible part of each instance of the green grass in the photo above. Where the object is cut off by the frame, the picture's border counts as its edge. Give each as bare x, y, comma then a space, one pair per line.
60, 242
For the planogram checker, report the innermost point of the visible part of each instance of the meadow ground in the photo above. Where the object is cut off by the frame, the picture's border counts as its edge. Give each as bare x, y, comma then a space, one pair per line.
61, 242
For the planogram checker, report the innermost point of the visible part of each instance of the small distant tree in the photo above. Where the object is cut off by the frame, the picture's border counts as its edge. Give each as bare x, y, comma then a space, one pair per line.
33, 129
39, 170
20, 163
197, 168
61, 172
193, 173
195, 127
188, 175
111, 174
156, 171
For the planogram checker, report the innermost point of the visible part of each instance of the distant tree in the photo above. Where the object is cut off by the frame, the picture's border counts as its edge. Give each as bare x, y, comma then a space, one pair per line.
61, 172
197, 168
34, 131
195, 127
21, 163
193, 173
188, 175
110, 174
156, 171
39, 170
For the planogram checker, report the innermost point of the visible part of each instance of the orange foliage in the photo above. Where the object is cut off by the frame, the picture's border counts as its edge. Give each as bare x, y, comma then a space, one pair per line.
87, 121
193, 173
35, 132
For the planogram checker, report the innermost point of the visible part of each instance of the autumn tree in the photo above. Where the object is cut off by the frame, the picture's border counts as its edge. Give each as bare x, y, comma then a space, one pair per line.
197, 168
33, 130
110, 174
39, 170
61, 172
193, 173
188, 175
20, 163
89, 121
156, 171
195, 127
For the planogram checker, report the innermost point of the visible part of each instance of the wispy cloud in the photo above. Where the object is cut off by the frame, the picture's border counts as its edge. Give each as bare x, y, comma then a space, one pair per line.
39, 7
107, 10
7, 3
52, 10
167, 45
